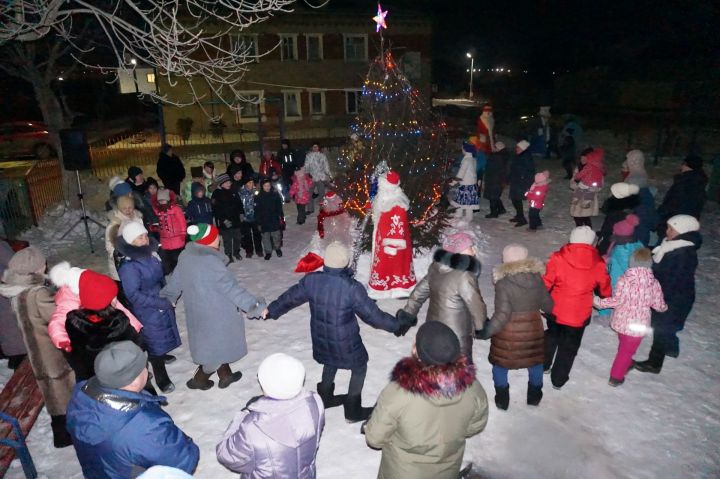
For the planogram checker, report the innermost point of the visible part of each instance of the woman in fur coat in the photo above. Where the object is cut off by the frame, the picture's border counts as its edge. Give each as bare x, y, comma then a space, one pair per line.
142, 278
432, 404
32, 302
516, 328
123, 213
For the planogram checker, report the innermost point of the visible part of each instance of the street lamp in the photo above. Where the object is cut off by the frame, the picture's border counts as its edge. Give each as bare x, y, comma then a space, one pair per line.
472, 65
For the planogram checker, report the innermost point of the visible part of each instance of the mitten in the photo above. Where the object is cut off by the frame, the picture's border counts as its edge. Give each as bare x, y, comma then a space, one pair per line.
65, 346
227, 223
405, 322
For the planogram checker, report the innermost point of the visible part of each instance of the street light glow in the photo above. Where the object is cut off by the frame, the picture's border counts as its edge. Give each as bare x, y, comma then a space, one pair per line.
468, 55
133, 61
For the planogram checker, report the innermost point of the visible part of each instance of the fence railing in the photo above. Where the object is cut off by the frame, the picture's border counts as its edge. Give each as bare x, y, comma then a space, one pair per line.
26, 192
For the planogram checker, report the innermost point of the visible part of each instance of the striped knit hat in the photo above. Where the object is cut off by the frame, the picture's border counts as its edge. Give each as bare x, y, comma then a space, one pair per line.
203, 233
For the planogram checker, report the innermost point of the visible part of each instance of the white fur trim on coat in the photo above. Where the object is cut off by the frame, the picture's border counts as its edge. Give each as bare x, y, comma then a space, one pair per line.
62, 274
395, 243
667, 246
388, 197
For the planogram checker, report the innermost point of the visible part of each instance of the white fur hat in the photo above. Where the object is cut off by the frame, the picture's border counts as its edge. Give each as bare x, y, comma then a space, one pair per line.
623, 190
336, 255
514, 252
684, 223
114, 181
583, 235
62, 274
131, 230
281, 376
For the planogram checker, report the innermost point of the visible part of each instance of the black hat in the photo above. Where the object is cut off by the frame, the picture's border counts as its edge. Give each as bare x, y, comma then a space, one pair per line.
436, 344
285, 142
693, 162
133, 171
151, 181
196, 171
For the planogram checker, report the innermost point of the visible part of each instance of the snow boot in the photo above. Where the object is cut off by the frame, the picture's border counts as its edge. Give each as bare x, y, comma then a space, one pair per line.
161, 376
61, 437
237, 256
354, 412
647, 367
534, 395
278, 252
227, 377
502, 397
267, 256
615, 382
327, 394
520, 222
200, 380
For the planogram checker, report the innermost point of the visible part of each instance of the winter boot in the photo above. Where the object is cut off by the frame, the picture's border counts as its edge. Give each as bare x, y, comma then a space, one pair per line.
237, 255
278, 252
267, 256
615, 382
520, 222
647, 367
201, 380
534, 395
227, 377
502, 397
494, 213
501, 208
354, 412
61, 438
161, 376
327, 394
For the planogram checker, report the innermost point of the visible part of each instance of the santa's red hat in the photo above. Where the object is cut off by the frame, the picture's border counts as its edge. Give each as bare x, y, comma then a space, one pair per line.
330, 195
392, 177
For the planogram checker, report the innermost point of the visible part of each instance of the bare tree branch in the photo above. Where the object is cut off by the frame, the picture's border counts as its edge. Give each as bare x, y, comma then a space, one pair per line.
183, 40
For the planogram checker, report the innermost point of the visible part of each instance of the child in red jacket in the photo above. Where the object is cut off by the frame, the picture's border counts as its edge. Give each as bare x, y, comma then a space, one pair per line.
536, 198
172, 228
571, 276
301, 192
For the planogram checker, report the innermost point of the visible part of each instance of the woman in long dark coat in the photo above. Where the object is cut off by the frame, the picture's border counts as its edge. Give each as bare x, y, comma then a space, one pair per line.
495, 179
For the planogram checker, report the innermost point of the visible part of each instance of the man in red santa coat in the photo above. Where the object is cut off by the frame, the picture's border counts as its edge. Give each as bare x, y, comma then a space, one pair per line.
486, 130
391, 272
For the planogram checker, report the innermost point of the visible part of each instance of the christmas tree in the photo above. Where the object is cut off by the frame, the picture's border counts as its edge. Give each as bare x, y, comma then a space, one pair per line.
396, 129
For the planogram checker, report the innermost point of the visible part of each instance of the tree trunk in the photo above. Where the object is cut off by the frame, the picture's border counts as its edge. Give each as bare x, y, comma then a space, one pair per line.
55, 119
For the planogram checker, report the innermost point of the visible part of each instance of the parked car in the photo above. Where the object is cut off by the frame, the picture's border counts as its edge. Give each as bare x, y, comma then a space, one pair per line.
25, 139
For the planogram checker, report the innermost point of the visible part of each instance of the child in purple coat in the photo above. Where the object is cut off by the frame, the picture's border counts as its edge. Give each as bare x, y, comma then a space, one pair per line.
278, 434
536, 198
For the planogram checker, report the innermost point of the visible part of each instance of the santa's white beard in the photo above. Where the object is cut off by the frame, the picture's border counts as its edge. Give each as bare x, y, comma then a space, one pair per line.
388, 197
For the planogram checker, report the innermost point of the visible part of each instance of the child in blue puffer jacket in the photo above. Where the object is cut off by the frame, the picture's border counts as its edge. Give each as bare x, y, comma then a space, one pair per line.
199, 209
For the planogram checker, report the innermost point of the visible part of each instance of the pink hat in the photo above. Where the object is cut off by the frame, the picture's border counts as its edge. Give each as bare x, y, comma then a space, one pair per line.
457, 243
627, 226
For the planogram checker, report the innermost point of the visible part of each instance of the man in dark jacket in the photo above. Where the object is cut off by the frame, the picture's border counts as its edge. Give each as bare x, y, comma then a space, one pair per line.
686, 196
170, 169
290, 161
674, 265
228, 212
335, 299
118, 429
495, 179
522, 174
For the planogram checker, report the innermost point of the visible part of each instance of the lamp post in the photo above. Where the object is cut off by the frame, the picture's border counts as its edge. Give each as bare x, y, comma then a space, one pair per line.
472, 67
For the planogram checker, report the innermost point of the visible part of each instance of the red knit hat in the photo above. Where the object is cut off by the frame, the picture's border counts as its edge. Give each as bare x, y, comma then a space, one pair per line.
203, 233
392, 177
96, 290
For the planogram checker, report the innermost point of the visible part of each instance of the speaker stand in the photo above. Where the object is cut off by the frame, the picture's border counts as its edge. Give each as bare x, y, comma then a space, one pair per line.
84, 218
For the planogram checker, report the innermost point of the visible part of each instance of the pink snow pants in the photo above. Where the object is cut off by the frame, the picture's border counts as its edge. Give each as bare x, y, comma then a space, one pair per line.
624, 357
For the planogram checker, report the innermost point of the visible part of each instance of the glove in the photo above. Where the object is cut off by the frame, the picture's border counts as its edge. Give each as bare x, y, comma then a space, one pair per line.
483, 333
227, 223
65, 346
242, 218
256, 311
405, 322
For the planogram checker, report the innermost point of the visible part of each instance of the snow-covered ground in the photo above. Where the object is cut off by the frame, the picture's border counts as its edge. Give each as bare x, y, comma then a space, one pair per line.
665, 426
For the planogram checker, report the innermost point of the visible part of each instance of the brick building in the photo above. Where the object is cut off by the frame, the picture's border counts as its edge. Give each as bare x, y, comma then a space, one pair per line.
309, 73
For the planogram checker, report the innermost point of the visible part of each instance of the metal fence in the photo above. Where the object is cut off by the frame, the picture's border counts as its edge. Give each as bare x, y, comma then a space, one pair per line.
27, 189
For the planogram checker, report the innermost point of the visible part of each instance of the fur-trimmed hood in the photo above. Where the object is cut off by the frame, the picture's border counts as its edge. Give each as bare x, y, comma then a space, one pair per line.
457, 261
528, 265
14, 283
442, 383
136, 252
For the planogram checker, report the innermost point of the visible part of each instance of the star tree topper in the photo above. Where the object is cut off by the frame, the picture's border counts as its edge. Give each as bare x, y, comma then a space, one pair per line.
379, 19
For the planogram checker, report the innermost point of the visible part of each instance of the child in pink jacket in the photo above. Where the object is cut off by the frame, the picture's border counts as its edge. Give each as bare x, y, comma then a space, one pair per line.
173, 228
636, 292
301, 192
536, 198
67, 299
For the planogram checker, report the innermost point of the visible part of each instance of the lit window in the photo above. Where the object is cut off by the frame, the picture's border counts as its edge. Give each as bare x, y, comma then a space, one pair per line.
150, 78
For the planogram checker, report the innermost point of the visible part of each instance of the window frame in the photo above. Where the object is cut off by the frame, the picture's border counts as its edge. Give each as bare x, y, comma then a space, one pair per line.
294, 36
298, 94
358, 96
319, 36
239, 119
323, 104
347, 36
255, 39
